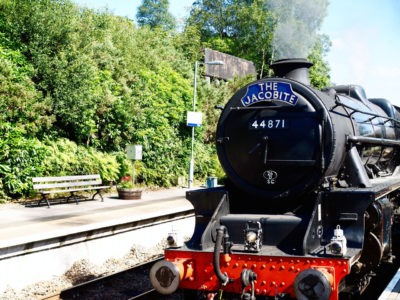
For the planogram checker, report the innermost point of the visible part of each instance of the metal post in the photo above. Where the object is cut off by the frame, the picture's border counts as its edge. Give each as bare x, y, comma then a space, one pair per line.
133, 172
191, 166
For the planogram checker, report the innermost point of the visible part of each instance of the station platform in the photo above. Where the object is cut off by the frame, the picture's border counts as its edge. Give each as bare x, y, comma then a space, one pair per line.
37, 242
392, 291
21, 224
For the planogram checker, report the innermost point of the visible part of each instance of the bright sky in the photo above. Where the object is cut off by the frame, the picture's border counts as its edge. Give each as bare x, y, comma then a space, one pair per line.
365, 37
365, 50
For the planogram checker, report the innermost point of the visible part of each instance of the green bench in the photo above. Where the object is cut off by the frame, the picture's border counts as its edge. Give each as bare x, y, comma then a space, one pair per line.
68, 184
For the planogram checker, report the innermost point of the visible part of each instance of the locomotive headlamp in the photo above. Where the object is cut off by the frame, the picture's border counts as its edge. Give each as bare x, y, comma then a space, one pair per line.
338, 244
253, 236
174, 239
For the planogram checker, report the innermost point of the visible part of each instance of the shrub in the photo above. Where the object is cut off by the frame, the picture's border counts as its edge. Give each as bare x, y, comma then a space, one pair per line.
25, 158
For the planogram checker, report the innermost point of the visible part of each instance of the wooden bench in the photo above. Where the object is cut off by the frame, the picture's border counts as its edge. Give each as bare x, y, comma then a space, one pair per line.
68, 184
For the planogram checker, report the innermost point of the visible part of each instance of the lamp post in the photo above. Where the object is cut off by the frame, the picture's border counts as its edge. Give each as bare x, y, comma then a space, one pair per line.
196, 64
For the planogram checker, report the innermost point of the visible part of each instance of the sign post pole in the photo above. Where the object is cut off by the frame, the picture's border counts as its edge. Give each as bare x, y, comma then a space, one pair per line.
194, 118
134, 152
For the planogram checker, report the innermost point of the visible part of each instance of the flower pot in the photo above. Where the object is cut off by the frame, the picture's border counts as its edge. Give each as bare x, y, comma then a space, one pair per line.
129, 194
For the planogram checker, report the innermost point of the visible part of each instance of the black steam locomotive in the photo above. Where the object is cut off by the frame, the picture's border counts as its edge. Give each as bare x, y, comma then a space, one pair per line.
311, 201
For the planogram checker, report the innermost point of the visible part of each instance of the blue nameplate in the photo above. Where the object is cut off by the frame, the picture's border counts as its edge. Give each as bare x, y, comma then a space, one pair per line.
269, 91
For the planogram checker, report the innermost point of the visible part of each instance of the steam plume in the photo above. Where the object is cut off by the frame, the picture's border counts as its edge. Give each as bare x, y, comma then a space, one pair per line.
297, 26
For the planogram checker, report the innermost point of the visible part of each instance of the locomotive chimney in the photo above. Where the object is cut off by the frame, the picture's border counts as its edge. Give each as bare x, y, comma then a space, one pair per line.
293, 68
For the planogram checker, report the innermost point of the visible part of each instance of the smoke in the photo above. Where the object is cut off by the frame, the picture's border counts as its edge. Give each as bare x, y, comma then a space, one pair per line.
298, 22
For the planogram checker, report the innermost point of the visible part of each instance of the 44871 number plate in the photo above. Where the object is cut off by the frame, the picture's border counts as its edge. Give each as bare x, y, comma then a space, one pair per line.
268, 124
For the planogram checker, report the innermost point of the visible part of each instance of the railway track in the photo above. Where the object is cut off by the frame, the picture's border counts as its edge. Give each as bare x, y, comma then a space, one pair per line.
132, 283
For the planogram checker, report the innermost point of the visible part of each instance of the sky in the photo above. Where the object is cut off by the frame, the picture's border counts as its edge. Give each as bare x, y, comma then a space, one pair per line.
365, 36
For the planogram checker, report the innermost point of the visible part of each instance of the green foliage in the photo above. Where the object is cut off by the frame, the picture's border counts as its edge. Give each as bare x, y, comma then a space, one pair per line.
21, 159
241, 28
126, 184
160, 127
78, 85
319, 73
24, 158
254, 31
258, 30
20, 103
66, 158
154, 13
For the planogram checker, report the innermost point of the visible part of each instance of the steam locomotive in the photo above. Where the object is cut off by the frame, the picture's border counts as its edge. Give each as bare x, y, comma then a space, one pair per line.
311, 203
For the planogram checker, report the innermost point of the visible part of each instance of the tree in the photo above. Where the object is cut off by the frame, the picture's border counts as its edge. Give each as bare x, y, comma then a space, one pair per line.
243, 28
213, 17
319, 72
254, 33
154, 13
20, 103
259, 30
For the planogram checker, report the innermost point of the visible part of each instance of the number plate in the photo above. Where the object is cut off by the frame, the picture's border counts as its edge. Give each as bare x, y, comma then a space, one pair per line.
268, 124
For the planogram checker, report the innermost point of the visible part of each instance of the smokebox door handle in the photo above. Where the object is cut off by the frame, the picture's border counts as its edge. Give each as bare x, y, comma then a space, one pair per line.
265, 139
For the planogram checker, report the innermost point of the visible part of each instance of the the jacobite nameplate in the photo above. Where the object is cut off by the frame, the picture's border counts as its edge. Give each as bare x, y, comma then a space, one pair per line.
269, 91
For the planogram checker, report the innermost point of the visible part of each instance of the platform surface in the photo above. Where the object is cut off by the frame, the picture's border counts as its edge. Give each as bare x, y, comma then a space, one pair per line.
21, 224
392, 291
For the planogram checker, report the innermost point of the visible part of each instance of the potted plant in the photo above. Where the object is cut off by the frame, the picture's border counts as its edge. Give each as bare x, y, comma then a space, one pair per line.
127, 191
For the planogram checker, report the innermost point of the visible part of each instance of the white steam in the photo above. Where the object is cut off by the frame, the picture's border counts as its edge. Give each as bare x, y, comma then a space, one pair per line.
297, 26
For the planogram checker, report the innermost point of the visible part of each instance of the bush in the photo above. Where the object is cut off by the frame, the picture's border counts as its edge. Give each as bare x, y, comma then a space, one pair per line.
22, 159
26, 158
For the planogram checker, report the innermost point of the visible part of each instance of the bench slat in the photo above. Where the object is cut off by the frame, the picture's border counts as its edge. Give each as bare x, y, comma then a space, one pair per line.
66, 185
76, 190
65, 178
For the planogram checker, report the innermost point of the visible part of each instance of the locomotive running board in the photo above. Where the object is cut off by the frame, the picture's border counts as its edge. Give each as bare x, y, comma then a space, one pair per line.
371, 140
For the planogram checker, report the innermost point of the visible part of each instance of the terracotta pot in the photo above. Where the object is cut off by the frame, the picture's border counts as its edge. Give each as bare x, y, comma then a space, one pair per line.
129, 194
